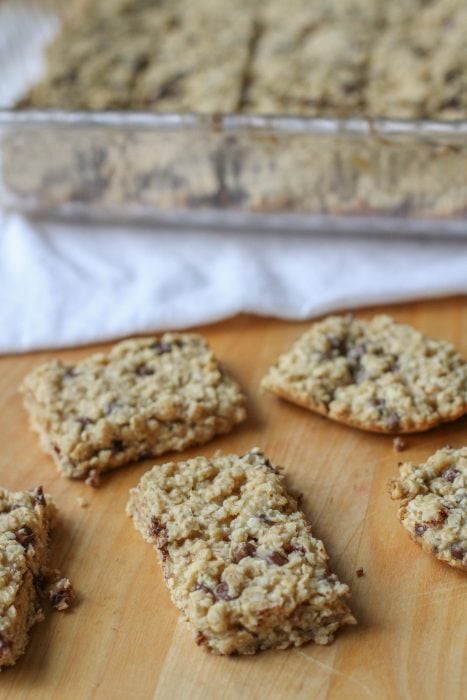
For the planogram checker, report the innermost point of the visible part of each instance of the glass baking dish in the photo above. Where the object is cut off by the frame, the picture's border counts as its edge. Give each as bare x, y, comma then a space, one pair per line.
234, 171
237, 171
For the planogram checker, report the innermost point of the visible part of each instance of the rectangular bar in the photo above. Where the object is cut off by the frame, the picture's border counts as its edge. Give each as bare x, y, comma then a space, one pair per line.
144, 397
238, 556
25, 520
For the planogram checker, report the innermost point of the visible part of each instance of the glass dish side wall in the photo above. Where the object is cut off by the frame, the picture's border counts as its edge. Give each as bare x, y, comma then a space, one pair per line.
236, 170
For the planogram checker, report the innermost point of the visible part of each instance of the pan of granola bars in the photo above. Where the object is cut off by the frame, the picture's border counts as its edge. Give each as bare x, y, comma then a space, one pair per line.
348, 115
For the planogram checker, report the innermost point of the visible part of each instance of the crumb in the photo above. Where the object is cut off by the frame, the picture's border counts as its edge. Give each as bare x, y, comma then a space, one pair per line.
62, 595
93, 479
399, 444
360, 572
82, 502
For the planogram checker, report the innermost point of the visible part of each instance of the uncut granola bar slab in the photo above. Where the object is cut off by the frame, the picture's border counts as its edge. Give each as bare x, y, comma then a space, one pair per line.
433, 506
240, 560
144, 397
26, 518
376, 375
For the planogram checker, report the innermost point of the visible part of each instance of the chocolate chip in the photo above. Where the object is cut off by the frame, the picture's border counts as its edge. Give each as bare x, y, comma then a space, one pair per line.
399, 444
39, 499
158, 530
117, 446
360, 572
350, 88
221, 592
161, 347
420, 529
450, 474
337, 343
157, 526
84, 421
378, 403
290, 547
392, 421
276, 558
451, 104
200, 638
163, 546
265, 519
25, 536
56, 449
246, 549
69, 372
441, 516
457, 551
144, 370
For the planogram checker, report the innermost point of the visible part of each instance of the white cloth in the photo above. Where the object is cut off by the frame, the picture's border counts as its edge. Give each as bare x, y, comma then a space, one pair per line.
64, 285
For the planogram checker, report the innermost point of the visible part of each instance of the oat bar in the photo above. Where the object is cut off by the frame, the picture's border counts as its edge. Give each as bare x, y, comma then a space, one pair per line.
238, 556
376, 375
144, 397
433, 506
26, 518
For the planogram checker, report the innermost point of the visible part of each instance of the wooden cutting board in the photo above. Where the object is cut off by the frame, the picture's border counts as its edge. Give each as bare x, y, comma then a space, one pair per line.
124, 638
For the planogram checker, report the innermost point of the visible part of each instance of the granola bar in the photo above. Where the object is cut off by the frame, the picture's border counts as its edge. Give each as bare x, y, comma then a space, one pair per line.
238, 556
433, 506
376, 375
168, 56
144, 397
26, 518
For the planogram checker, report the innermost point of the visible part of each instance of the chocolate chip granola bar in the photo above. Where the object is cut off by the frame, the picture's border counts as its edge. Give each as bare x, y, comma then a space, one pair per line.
376, 375
239, 558
144, 397
26, 518
433, 507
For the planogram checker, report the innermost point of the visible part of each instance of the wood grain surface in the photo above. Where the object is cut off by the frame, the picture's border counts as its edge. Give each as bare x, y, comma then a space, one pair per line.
124, 638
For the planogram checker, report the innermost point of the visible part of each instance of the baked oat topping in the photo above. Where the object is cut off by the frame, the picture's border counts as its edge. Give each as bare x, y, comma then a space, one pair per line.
238, 556
404, 59
106, 411
375, 375
433, 506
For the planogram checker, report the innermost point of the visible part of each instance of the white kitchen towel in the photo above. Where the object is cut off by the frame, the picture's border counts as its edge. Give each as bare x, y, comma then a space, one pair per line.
64, 285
